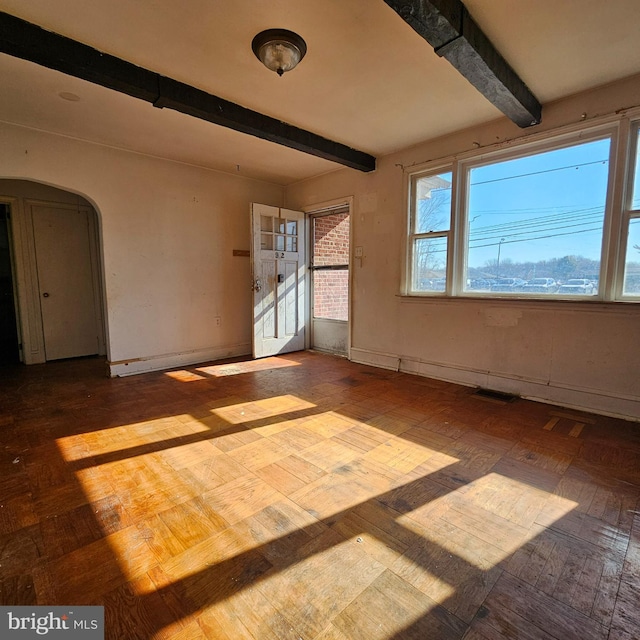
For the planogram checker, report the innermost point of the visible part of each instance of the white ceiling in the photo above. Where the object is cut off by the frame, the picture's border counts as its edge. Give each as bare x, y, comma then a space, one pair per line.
367, 81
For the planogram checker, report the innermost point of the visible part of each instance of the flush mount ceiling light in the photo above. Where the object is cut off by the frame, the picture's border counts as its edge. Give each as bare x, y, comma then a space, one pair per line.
278, 49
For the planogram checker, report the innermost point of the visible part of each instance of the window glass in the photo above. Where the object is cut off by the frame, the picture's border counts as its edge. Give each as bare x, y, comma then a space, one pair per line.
292, 227
433, 203
632, 262
430, 264
266, 223
430, 224
330, 272
535, 223
636, 178
331, 239
266, 241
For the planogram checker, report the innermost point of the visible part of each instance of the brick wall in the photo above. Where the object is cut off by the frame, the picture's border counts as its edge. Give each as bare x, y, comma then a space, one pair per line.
331, 247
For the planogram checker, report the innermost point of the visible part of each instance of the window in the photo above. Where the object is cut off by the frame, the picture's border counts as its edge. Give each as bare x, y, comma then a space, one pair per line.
278, 234
430, 223
631, 282
536, 222
531, 221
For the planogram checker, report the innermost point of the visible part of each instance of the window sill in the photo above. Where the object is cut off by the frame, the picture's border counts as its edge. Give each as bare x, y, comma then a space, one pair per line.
564, 304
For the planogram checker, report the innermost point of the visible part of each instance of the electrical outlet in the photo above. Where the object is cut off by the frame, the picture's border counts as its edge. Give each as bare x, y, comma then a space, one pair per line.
358, 252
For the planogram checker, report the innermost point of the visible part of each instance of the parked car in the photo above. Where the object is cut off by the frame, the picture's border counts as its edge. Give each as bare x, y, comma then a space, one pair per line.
577, 286
507, 285
540, 285
437, 284
480, 284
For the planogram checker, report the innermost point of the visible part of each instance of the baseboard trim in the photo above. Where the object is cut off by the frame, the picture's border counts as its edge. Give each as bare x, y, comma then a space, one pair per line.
593, 400
134, 366
375, 359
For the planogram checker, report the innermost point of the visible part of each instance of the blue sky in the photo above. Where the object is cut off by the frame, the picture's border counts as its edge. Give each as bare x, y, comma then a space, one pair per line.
539, 207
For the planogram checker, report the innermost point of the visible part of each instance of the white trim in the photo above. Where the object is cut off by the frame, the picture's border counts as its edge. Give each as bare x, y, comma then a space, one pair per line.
134, 366
413, 236
628, 213
574, 397
612, 240
375, 359
29, 317
316, 210
538, 137
615, 128
328, 205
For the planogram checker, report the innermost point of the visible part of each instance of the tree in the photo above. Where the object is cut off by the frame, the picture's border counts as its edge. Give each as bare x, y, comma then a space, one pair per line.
432, 212
565, 267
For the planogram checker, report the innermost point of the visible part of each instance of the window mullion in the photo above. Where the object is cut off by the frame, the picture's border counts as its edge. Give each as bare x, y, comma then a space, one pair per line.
458, 238
551, 219
615, 219
628, 214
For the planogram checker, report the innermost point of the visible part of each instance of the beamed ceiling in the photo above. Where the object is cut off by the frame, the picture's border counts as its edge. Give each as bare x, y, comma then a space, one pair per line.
379, 75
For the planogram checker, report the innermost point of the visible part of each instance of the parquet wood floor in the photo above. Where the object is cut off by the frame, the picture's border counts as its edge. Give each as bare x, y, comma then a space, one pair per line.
307, 497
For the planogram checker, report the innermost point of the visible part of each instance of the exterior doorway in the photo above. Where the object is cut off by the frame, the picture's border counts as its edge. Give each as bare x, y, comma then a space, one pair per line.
330, 234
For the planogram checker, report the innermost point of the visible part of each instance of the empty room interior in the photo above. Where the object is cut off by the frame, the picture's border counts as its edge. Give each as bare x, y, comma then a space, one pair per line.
319, 320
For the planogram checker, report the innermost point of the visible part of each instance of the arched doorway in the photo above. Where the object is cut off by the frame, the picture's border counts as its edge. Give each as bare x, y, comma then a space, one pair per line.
9, 342
55, 263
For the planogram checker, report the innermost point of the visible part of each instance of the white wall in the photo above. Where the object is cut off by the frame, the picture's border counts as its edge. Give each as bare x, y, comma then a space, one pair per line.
168, 232
580, 355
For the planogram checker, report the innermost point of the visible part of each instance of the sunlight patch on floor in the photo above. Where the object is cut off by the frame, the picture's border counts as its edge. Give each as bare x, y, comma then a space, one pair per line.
486, 535
184, 376
137, 434
260, 409
247, 366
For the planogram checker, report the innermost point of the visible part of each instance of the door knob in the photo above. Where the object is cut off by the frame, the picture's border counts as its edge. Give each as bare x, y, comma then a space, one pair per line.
257, 285
45, 295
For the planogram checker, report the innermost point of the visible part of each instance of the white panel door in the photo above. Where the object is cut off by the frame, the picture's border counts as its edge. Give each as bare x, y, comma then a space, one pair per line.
65, 281
278, 268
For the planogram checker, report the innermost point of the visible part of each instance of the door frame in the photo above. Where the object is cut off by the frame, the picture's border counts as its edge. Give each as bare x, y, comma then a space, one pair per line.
28, 310
318, 209
11, 204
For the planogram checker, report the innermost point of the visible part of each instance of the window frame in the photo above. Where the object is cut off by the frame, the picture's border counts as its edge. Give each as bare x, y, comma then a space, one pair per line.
628, 212
619, 130
414, 235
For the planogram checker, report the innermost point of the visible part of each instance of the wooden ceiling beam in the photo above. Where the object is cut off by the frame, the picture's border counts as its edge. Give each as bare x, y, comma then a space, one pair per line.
447, 26
30, 42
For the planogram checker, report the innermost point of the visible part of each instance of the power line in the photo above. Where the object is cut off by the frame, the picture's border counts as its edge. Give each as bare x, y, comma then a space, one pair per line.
535, 173
536, 228
553, 235
506, 227
495, 244
529, 232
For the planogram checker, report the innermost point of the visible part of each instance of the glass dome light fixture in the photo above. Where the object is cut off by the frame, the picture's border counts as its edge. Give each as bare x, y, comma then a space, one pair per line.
278, 49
